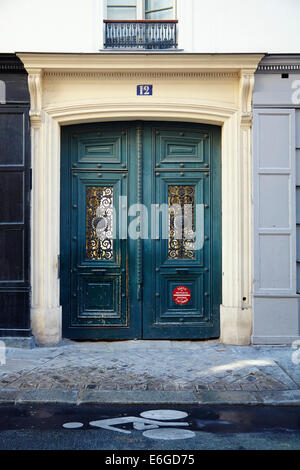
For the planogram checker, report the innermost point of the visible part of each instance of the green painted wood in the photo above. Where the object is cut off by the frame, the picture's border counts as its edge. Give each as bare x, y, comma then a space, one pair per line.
96, 294
183, 154
131, 295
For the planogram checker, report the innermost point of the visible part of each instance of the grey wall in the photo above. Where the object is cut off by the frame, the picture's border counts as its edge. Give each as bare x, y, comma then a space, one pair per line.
276, 175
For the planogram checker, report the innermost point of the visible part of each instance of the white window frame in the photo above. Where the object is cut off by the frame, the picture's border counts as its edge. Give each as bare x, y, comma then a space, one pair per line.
140, 9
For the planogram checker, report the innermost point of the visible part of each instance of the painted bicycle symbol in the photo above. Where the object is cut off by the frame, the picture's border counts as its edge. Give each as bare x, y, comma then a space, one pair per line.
155, 424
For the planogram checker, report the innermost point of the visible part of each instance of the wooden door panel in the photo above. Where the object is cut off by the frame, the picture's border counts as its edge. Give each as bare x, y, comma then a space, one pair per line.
177, 147
96, 271
186, 173
168, 311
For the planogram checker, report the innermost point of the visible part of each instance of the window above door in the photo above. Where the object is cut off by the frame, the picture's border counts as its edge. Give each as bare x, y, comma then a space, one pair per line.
141, 24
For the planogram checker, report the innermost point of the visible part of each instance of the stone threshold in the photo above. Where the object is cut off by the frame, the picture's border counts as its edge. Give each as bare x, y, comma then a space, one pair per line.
147, 397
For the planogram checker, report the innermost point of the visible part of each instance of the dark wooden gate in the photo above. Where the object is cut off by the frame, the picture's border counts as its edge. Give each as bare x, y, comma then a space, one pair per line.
14, 198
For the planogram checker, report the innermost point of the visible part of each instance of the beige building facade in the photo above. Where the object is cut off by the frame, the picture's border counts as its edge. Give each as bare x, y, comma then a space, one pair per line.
70, 89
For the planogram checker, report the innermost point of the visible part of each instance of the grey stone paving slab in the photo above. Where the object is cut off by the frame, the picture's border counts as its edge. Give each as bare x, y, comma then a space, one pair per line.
282, 374
19, 342
136, 396
8, 397
48, 396
151, 366
293, 370
16, 365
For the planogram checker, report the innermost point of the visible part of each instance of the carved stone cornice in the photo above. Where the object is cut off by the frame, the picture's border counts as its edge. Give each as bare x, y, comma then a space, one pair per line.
280, 64
9, 63
141, 63
11, 68
69, 75
279, 68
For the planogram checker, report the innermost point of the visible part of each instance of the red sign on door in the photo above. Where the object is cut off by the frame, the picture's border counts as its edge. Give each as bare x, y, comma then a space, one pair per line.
182, 295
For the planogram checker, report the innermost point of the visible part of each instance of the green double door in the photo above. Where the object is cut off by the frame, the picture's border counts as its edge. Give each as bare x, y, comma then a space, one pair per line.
140, 231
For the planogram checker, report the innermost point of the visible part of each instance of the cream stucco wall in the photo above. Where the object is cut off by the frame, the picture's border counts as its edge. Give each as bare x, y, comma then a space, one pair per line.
62, 89
68, 89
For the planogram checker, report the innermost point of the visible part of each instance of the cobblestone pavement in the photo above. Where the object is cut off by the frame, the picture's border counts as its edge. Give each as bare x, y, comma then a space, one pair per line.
150, 365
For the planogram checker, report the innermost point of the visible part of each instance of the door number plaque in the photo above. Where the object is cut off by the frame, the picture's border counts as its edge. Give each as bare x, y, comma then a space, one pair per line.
145, 90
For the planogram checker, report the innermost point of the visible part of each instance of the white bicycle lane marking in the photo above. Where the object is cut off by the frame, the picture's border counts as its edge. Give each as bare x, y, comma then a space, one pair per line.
161, 428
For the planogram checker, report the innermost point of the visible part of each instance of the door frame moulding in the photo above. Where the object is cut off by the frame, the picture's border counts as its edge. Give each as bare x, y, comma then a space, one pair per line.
236, 123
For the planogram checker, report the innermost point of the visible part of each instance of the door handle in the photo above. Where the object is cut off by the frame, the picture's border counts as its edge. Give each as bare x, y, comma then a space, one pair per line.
182, 271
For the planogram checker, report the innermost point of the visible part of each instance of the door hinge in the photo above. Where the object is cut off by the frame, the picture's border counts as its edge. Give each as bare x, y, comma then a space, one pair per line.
58, 266
30, 179
140, 292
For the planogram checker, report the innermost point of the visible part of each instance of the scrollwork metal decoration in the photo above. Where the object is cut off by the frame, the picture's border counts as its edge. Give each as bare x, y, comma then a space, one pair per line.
99, 223
181, 201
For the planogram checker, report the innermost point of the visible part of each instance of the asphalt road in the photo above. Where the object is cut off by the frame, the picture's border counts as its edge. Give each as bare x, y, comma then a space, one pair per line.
46, 427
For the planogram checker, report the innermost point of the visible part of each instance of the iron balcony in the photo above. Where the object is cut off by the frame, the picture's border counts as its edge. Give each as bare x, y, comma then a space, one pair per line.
140, 34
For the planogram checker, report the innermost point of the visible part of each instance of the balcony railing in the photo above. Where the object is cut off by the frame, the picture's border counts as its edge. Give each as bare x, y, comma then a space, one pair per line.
147, 34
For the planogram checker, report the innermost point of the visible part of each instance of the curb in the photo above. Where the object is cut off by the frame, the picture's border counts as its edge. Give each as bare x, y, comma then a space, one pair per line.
147, 397
137, 397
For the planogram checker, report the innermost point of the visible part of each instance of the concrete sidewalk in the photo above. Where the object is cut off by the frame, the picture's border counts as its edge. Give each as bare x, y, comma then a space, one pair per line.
146, 372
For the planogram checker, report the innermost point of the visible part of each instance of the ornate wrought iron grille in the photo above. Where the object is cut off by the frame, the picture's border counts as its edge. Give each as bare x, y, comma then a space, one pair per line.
181, 238
146, 34
99, 223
